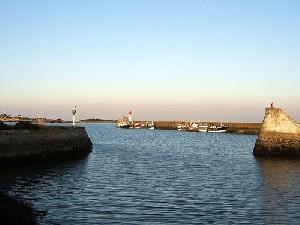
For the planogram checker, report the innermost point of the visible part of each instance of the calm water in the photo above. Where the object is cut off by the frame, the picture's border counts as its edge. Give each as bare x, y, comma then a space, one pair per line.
162, 177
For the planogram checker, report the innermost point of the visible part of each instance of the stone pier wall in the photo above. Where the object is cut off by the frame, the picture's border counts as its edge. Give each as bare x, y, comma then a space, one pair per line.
26, 147
239, 128
279, 135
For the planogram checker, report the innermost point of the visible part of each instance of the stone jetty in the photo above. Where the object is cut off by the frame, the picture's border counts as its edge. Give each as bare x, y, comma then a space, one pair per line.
36, 145
279, 135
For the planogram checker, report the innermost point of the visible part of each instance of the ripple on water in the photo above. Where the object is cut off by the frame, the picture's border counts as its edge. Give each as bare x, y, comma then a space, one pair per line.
162, 177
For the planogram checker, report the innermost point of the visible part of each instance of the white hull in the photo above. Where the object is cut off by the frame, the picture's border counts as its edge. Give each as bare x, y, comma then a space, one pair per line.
204, 131
203, 128
216, 131
123, 126
219, 129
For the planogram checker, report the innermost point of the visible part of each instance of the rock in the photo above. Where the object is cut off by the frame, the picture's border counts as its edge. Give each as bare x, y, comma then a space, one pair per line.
279, 135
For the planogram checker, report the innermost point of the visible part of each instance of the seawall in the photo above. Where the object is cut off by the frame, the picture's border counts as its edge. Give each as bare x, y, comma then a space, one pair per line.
20, 147
279, 135
233, 127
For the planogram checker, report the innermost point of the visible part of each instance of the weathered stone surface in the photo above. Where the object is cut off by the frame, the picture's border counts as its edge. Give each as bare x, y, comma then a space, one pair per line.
27, 147
279, 135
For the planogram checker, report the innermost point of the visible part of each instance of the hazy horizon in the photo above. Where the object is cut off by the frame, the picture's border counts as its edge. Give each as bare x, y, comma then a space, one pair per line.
153, 112
164, 60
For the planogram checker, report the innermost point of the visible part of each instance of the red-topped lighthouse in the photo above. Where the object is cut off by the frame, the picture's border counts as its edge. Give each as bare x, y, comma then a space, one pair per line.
130, 116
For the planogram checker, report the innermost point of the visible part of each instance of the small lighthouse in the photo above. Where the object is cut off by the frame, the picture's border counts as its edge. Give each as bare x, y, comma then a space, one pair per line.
130, 116
74, 112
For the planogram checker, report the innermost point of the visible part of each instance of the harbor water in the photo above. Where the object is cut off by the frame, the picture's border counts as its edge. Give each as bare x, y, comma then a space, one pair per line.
162, 177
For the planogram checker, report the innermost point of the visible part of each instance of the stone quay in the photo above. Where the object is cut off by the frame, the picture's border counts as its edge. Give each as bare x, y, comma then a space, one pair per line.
279, 135
19, 147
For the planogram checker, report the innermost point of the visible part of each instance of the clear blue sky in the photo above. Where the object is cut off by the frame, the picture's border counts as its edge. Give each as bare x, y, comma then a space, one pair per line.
164, 59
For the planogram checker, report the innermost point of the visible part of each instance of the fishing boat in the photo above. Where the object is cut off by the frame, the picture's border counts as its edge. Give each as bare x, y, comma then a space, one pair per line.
194, 127
123, 124
150, 126
222, 127
202, 128
183, 126
217, 129
197, 127
136, 125
179, 127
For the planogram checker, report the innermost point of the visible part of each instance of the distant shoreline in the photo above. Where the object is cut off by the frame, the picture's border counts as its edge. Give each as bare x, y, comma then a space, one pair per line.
233, 127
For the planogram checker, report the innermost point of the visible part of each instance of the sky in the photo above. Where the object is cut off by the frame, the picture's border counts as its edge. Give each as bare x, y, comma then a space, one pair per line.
210, 60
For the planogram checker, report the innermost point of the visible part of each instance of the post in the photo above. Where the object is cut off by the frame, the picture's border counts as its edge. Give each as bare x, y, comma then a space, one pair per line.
74, 112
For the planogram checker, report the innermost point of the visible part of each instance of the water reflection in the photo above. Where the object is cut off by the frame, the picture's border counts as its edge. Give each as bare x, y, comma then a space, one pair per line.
280, 179
27, 179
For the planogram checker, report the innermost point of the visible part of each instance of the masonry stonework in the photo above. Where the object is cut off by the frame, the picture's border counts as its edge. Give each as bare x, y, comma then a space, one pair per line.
48, 144
279, 135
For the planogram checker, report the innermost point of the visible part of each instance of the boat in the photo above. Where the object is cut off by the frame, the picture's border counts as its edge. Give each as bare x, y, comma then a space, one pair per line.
136, 125
202, 128
123, 124
179, 127
198, 127
150, 126
214, 129
128, 122
183, 126
222, 127
217, 129
194, 127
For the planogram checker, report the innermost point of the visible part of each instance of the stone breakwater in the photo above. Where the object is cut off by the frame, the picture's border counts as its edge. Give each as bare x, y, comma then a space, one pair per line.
238, 128
20, 147
279, 135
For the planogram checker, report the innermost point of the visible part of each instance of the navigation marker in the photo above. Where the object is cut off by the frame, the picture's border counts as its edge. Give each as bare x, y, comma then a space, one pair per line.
74, 112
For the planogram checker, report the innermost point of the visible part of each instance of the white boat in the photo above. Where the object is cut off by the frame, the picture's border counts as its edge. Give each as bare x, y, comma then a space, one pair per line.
222, 127
218, 129
123, 124
198, 127
182, 126
202, 128
194, 127
126, 122
150, 126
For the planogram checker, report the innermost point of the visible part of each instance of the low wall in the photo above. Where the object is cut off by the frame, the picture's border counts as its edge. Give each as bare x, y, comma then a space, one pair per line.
26, 147
279, 135
240, 128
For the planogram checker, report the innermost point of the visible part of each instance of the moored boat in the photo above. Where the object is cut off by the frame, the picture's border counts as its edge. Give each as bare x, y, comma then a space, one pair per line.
150, 125
122, 123
179, 127
194, 127
129, 122
202, 128
197, 127
136, 125
217, 129
183, 126
222, 127
125, 122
